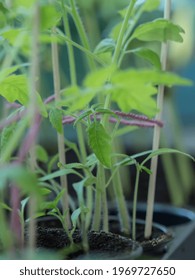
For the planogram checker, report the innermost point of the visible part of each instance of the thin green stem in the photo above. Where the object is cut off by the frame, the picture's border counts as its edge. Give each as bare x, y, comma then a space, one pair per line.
92, 26
119, 44
104, 198
135, 202
123, 211
60, 137
71, 58
81, 32
11, 55
156, 136
122, 32
89, 191
127, 37
122, 208
87, 52
73, 77
98, 202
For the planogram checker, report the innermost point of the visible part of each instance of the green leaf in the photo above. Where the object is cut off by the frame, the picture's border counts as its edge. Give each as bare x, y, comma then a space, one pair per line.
52, 204
6, 134
50, 17
46, 205
158, 30
90, 180
23, 204
42, 106
148, 55
100, 142
105, 111
57, 174
55, 117
75, 165
150, 5
99, 77
7, 71
116, 30
131, 92
155, 77
106, 45
76, 99
18, 36
3, 9
78, 187
91, 160
164, 151
147, 170
46, 38
129, 160
15, 88
82, 116
134, 89
75, 215
41, 154
22, 177
5, 206
27, 4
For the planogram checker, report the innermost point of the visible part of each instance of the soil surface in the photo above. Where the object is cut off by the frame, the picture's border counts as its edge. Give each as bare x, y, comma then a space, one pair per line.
102, 245
156, 244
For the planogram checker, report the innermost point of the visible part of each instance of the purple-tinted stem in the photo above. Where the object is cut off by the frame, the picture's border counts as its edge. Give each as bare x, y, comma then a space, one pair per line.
15, 192
30, 138
132, 122
68, 120
142, 122
49, 99
12, 105
137, 117
11, 120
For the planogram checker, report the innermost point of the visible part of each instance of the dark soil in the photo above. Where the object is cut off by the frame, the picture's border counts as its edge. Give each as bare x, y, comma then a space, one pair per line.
102, 245
156, 244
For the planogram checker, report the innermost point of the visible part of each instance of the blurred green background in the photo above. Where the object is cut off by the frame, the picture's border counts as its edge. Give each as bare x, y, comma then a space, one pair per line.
99, 16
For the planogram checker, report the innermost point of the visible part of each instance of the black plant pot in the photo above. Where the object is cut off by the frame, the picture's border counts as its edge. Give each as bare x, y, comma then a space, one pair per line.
102, 245
180, 221
158, 241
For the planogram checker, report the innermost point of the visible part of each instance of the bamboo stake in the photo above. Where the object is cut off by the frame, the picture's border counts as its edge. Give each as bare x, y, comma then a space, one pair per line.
156, 135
